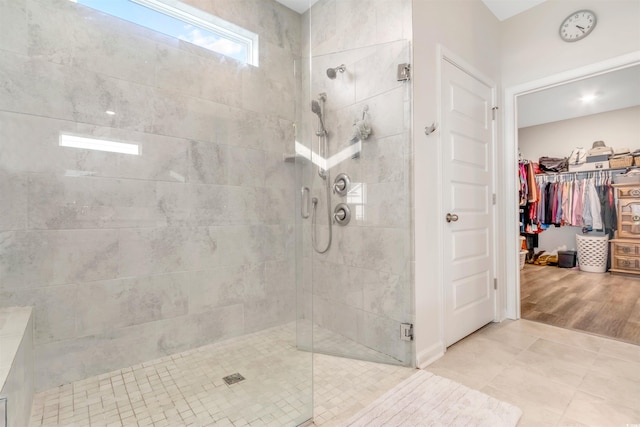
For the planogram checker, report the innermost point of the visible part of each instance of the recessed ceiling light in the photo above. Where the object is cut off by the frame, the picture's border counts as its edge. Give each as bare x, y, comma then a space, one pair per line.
111, 113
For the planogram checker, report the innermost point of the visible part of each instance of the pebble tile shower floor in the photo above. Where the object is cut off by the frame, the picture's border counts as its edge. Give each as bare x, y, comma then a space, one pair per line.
188, 389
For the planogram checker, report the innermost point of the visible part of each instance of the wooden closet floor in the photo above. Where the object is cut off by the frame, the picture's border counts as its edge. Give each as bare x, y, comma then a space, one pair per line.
600, 303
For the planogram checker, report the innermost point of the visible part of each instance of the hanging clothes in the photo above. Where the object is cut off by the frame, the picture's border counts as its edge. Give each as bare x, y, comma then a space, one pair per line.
566, 200
558, 216
608, 207
530, 196
578, 207
587, 217
594, 203
522, 183
531, 184
583, 200
566, 203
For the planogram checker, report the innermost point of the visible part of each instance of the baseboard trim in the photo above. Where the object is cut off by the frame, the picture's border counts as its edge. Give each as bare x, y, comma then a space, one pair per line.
429, 355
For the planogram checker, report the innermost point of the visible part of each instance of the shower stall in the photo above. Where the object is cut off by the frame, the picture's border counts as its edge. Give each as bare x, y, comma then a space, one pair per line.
175, 212
356, 132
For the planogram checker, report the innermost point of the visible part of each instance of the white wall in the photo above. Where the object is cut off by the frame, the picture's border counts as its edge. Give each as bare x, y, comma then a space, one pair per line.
619, 128
531, 47
468, 29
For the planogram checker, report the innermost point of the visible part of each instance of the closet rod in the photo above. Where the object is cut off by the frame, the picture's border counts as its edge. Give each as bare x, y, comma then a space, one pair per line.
599, 171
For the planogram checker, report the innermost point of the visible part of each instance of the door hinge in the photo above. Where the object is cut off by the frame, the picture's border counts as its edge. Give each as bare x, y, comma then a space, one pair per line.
406, 331
493, 113
495, 284
404, 72
493, 198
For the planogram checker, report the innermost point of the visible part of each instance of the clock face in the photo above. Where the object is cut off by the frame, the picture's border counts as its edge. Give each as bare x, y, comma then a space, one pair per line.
578, 25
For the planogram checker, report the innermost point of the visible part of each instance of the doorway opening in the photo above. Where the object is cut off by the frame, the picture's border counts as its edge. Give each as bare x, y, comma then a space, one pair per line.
531, 288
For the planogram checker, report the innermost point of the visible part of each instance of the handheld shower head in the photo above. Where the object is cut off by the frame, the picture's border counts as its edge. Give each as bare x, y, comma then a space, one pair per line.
317, 110
333, 72
315, 107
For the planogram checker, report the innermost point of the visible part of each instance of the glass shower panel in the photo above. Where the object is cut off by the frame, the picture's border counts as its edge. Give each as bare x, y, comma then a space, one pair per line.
357, 124
147, 213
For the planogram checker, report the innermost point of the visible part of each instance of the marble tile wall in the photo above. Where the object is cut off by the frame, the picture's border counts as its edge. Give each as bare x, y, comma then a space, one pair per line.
128, 258
16, 365
362, 286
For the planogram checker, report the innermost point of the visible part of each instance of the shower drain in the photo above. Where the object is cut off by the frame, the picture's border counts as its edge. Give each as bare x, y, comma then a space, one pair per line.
233, 378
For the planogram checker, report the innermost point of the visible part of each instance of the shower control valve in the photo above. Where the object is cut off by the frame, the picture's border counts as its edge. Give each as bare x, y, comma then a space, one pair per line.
341, 184
342, 214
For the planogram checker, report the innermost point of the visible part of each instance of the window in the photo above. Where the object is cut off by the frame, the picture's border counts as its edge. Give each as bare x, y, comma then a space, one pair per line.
184, 22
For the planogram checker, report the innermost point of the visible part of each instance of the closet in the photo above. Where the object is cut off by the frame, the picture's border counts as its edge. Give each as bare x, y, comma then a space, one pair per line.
585, 200
585, 299
618, 129
598, 303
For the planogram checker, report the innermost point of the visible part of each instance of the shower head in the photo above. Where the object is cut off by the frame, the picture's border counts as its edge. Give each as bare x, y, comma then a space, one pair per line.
317, 110
333, 72
315, 107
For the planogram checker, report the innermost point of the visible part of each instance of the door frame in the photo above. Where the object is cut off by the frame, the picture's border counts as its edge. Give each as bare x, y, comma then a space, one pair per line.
508, 203
444, 54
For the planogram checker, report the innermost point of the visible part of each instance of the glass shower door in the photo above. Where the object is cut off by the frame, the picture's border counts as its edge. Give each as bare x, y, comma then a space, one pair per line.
147, 214
354, 152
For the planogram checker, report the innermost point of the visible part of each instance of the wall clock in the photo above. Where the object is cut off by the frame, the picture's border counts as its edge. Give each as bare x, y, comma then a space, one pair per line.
578, 25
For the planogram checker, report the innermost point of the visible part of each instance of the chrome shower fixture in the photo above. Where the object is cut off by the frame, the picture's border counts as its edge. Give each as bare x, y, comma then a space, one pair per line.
333, 72
317, 107
317, 110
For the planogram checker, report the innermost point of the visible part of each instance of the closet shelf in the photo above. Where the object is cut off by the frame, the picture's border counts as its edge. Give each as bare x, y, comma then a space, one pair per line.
550, 174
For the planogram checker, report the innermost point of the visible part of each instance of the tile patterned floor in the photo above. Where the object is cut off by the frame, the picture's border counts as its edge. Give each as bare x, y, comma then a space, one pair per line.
556, 376
342, 386
188, 389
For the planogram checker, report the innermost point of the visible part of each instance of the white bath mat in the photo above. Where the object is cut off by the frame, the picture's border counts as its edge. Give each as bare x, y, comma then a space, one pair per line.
425, 399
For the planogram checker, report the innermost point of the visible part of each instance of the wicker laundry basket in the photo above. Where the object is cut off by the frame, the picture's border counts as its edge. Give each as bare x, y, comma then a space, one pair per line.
523, 258
592, 253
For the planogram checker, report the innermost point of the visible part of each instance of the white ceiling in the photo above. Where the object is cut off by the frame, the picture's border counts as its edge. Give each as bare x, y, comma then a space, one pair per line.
613, 91
505, 9
502, 9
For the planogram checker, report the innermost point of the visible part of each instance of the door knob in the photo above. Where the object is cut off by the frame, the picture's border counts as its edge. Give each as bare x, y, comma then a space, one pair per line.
452, 217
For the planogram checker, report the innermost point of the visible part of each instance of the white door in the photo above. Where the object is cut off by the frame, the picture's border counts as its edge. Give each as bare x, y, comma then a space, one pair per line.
467, 155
